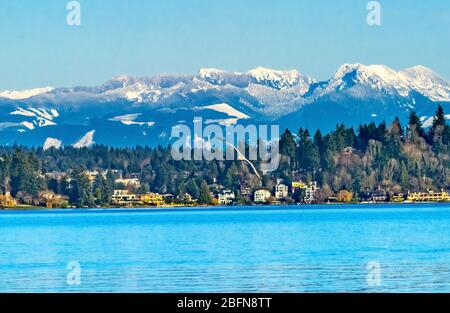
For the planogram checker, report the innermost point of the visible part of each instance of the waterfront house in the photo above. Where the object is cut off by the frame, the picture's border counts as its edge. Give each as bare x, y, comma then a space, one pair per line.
246, 191
226, 197
7, 201
296, 185
398, 198
186, 198
429, 196
123, 197
51, 200
281, 191
153, 199
310, 192
262, 195
379, 196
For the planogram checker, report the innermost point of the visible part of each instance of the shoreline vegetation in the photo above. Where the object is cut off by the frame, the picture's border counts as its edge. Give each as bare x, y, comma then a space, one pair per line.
212, 207
372, 164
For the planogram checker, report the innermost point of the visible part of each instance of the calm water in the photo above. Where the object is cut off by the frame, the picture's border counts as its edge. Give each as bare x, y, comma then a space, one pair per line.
280, 249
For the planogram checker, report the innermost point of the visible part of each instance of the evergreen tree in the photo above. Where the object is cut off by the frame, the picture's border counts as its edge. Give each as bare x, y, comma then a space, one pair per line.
80, 190
439, 118
415, 125
404, 176
192, 189
439, 131
287, 144
101, 192
110, 182
205, 196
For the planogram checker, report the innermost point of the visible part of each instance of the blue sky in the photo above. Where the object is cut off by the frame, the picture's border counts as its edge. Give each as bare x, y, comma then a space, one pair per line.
142, 37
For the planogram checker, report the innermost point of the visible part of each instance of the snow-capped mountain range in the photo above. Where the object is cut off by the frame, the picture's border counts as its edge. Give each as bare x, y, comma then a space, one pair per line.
129, 110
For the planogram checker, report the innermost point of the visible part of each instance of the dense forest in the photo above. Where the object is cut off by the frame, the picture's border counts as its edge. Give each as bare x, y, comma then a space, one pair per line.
394, 158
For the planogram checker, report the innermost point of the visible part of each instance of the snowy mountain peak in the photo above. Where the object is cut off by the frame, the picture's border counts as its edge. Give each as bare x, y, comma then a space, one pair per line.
278, 79
385, 79
367, 73
124, 80
427, 82
210, 72
422, 73
24, 94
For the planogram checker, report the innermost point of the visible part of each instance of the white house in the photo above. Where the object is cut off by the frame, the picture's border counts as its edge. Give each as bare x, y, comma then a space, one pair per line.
226, 197
281, 191
262, 195
310, 192
123, 197
133, 182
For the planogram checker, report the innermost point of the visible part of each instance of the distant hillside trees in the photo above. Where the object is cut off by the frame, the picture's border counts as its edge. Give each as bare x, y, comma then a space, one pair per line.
391, 157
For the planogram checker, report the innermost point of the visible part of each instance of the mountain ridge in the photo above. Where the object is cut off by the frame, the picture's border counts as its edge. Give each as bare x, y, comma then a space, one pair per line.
355, 94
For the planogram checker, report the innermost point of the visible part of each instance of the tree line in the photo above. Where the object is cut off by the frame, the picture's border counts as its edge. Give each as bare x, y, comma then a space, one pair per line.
394, 158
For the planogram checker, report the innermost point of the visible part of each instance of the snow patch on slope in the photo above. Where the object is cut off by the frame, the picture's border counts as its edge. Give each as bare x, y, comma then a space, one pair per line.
86, 141
428, 121
28, 125
39, 117
234, 114
227, 109
52, 143
130, 119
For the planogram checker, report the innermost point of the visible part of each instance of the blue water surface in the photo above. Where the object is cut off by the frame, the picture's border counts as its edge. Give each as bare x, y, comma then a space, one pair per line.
242, 249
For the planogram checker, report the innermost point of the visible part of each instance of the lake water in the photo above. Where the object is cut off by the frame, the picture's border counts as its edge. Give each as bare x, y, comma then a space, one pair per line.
245, 249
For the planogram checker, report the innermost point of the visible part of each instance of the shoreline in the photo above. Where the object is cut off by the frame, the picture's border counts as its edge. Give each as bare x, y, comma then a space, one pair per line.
214, 207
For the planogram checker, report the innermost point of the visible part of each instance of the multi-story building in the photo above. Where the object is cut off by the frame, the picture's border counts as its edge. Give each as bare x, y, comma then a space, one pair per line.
380, 196
310, 192
246, 191
153, 199
123, 197
296, 185
186, 198
262, 195
51, 200
429, 196
281, 191
226, 197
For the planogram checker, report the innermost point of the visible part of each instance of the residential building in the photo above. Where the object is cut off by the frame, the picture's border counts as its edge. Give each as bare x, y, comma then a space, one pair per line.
129, 182
123, 197
51, 200
310, 192
186, 198
246, 191
262, 195
153, 199
226, 197
296, 185
91, 175
429, 196
398, 198
379, 196
281, 191
7, 201
55, 175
